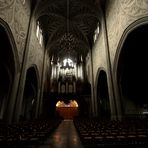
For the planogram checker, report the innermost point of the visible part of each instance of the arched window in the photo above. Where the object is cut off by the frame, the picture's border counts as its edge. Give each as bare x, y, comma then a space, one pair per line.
96, 32
41, 38
37, 29
39, 33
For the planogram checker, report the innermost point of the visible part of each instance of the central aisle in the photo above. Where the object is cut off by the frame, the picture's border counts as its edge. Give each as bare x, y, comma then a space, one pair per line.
65, 136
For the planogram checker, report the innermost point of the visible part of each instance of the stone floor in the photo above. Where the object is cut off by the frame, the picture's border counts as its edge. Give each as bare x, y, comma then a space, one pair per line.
65, 136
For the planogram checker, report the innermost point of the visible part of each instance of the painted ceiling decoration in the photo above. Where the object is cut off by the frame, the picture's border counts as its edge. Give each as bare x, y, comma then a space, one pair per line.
68, 25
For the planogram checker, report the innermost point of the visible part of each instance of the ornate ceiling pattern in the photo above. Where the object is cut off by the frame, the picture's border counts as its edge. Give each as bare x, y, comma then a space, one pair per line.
68, 25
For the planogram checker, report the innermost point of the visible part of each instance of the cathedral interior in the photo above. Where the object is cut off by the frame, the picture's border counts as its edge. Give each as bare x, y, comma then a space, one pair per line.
73, 73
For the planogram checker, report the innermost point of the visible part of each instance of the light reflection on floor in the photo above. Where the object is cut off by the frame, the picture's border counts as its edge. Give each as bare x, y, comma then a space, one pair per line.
65, 136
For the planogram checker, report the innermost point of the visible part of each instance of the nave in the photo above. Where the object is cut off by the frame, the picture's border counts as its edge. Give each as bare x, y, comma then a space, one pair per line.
65, 136
73, 58
51, 133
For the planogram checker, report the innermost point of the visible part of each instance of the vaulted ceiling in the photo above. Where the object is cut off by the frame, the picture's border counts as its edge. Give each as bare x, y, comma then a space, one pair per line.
68, 26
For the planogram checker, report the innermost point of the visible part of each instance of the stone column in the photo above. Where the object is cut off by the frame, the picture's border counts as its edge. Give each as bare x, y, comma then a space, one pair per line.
11, 104
109, 74
22, 78
93, 97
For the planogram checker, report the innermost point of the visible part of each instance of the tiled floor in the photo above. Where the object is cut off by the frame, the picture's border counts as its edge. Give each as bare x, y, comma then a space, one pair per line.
65, 136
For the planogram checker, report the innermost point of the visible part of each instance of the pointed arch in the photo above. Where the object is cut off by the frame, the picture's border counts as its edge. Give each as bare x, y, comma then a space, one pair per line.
9, 65
102, 94
30, 96
130, 76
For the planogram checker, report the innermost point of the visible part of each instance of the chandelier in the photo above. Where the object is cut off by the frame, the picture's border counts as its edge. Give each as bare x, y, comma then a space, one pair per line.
67, 42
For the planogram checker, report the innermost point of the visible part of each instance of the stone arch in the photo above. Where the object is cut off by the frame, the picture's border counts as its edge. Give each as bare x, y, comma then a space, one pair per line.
130, 76
30, 95
102, 94
9, 65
